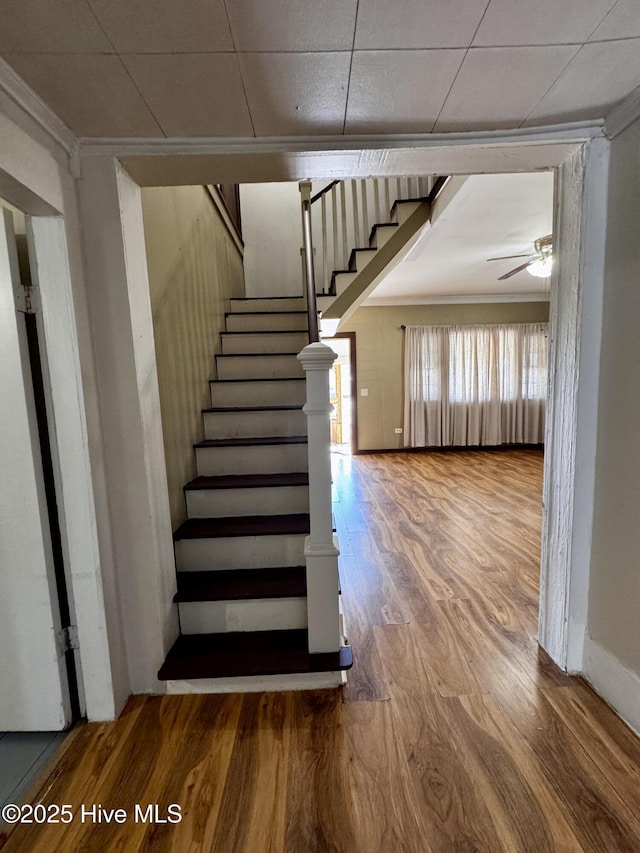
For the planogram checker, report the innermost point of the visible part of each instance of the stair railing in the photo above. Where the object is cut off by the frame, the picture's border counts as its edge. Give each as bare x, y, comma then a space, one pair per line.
348, 211
310, 277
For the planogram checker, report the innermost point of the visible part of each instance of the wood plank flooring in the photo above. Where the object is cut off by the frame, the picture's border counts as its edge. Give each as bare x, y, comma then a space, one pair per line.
455, 733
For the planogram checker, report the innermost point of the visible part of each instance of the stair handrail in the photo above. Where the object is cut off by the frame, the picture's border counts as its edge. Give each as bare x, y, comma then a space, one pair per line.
323, 191
310, 276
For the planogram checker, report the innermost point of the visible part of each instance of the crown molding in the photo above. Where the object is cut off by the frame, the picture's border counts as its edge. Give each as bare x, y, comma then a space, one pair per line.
455, 299
581, 131
623, 114
26, 99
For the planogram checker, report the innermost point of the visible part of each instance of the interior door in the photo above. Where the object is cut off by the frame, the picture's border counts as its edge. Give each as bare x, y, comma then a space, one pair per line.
34, 693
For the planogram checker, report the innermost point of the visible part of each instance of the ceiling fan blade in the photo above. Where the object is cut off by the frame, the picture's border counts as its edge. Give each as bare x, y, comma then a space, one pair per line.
516, 270
508, 257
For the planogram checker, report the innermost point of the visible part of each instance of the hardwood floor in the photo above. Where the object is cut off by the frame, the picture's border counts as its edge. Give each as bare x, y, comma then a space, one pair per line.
455, 733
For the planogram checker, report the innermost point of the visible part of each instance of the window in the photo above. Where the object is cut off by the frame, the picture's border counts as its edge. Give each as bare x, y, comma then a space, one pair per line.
475, 384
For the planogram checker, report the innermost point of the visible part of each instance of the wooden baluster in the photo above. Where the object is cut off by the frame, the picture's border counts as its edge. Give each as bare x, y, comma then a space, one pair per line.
365, 214
356, 217
325, 271
334, 229
343, 219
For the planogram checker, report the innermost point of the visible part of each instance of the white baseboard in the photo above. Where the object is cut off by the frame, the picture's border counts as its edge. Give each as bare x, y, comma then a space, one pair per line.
259, 683
617, 685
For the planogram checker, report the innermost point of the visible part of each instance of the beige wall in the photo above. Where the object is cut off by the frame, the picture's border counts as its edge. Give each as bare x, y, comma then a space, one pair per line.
379, 351
614, 600
194, 269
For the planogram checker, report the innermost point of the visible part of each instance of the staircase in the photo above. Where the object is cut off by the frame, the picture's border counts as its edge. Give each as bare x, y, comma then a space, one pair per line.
388, 243
241, 573
352, 255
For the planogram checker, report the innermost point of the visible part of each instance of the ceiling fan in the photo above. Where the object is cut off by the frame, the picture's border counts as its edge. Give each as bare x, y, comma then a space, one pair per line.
538, 262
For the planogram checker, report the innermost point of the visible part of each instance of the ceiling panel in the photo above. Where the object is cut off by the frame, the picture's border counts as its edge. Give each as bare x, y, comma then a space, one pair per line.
204, 98
416, 24
39, 26
600, 75
543, 22
292, 25
497, 87
623, 21
397, 91
164, 26
296, 93
91, 93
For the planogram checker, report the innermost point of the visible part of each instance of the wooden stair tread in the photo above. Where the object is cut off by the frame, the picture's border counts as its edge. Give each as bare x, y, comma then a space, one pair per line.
239, 584
243, 525
248, 653
262, 331
249, 442
248, 481
256, 354
239, 409
264, 379
254, 298
249, 313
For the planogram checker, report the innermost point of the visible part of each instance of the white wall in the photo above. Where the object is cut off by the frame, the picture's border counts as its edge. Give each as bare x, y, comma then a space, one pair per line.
612, 653
135, 474
272, 234
35, 177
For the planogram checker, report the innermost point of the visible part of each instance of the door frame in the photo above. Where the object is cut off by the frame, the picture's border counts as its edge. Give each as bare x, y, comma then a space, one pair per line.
45, 194
353, 391
579, 158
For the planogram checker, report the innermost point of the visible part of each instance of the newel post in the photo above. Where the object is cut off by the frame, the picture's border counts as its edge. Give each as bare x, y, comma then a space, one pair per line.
321, 546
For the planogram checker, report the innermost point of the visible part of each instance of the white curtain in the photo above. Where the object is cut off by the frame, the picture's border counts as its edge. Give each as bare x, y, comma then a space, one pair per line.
475, 385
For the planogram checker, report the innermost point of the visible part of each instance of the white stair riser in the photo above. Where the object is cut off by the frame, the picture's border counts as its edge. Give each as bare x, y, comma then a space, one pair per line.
362, 259
343, 280
382, 236
263, 393
240, 552
324, 302
267, 614
266, 322
403, 211
268, 500
264, 342
259, 459
258, 683
258, 367
292, 303
254, 424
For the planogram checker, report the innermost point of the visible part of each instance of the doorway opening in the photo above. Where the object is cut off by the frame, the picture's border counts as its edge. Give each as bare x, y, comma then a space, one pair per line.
342, 391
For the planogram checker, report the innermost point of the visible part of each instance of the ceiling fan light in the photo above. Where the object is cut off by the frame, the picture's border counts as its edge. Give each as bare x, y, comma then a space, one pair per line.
541, 268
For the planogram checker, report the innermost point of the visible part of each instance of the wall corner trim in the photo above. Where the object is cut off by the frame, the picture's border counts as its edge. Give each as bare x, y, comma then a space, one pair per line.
617, 685
17, 90
623, 114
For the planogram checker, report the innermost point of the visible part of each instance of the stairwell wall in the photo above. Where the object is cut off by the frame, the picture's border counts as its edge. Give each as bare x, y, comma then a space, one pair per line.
194, 269
272, 233
379, 345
